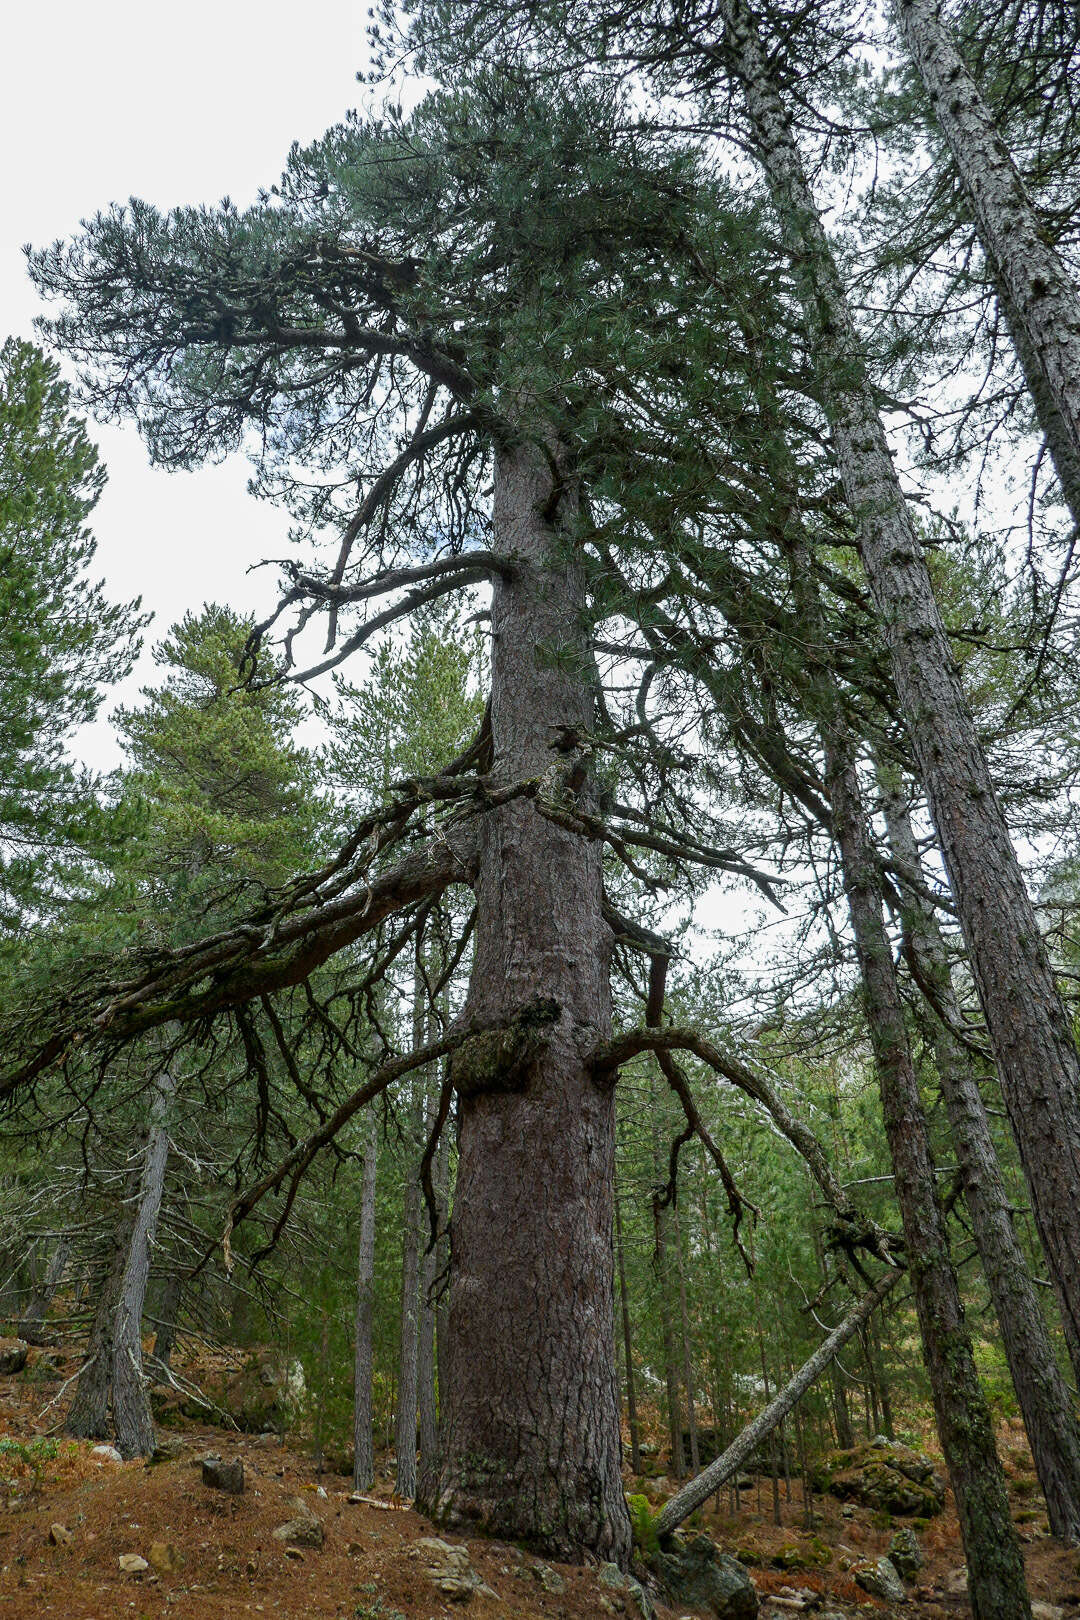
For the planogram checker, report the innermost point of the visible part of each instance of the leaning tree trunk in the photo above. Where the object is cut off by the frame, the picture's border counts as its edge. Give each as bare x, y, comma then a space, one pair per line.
530, 1436
995, 1568
1042, 306
363, 1440
133, 1423
1026, 1020
1045, 1403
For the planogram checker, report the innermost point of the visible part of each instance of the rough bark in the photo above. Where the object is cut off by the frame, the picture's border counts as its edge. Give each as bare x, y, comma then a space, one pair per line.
995, 1569
530, 1439
363, 1440
133, 1423
1026, 1020
698, 1490
1063, 450
1043, 306
1044, 1399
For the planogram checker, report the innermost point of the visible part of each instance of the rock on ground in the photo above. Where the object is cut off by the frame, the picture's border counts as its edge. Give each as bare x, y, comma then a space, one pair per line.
881, 1580
905, 1554
449, 1568
13, 1354
222, 1475
694, 1573
880, 1475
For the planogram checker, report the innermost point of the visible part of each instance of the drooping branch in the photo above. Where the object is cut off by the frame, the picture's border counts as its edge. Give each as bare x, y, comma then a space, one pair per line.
853, 1231
737, 1203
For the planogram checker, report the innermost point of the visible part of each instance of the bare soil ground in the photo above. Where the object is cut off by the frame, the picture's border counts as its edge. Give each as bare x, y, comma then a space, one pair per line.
228, 1562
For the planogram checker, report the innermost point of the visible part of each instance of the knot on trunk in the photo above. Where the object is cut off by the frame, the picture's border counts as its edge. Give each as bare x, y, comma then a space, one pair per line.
503, 1060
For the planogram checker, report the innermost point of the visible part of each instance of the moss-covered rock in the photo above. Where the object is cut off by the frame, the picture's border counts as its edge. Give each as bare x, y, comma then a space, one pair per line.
889, 1479
694, 1574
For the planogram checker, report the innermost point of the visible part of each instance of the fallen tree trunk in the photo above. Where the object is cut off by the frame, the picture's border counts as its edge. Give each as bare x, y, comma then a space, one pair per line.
702, 1486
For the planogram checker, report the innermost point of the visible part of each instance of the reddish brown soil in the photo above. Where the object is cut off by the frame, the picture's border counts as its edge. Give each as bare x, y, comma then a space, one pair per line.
233, 1566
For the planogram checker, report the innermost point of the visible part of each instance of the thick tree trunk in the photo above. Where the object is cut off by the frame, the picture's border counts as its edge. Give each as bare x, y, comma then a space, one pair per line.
363, 1439
995, 1569
133, 1423
1042, 305
1044, 1399
31, 1326
530, 1436
1027, 1023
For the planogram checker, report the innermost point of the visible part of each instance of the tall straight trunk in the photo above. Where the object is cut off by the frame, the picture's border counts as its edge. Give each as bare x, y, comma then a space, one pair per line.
1045, 1403
442, 1260
1026, 1020
662, 1267
32, 1323
168, 1316
363, 1417
845, 1434
995, 1569
425, 1355
530, 1445
408, 1358
1064, 452
881, 1379
628, 1345
132, 1420
687, 1348
1043, 305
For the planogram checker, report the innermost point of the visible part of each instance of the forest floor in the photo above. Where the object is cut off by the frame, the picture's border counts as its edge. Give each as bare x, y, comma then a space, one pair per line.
210, 1554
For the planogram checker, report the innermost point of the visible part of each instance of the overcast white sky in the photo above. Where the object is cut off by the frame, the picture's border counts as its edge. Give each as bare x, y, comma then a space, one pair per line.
180, 105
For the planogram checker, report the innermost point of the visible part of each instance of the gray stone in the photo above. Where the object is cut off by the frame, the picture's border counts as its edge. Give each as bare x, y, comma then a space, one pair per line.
450, 1569
222, 1475
13, 1354
905, 1554
133, 1564
104, 1454
611, 1576
881, 1581
694, 1573
304, 1531
1046, 1611
549, 1578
